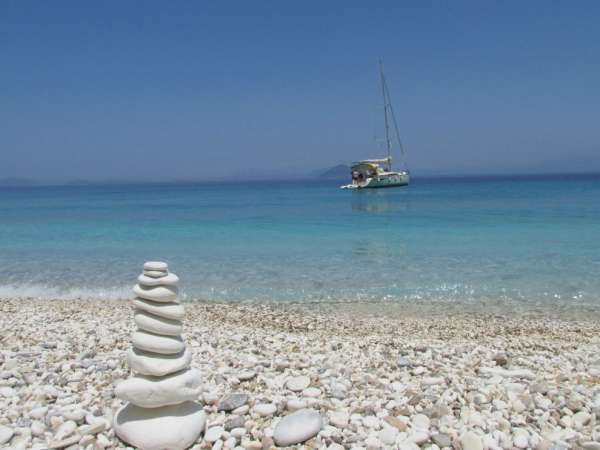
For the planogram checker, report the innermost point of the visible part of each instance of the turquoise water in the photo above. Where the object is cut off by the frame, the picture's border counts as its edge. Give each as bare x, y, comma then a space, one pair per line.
531, 240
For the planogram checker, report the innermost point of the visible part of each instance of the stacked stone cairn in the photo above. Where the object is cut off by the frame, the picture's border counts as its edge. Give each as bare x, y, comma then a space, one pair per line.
161, 413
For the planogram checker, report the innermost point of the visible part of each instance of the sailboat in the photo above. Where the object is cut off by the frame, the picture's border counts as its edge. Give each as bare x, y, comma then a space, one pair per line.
378, 173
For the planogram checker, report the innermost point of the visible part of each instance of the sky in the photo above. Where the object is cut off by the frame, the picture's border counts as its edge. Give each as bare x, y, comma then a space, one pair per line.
188, 90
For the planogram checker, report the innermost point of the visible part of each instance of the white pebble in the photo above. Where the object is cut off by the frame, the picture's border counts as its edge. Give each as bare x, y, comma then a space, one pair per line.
213, 434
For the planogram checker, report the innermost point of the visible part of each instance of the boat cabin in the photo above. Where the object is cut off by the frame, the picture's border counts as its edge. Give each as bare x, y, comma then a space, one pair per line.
369, 168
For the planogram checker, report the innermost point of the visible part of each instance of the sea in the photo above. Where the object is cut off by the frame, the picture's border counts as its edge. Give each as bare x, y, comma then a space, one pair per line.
526, 240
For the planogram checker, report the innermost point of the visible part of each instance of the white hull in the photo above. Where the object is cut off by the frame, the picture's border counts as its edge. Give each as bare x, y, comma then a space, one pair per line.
390, 179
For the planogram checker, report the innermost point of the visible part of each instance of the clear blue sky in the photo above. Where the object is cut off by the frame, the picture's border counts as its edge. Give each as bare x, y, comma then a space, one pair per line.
183, 90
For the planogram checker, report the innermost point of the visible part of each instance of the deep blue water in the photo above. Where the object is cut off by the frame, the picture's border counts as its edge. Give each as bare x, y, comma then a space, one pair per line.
525, 239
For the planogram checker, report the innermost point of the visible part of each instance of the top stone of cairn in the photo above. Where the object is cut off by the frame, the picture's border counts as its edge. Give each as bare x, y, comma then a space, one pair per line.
156, 266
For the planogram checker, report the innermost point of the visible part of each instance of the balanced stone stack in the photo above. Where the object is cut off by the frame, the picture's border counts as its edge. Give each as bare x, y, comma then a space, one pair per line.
161, 413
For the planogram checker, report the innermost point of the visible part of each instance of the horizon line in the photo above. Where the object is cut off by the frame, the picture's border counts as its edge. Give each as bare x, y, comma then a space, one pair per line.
30, 183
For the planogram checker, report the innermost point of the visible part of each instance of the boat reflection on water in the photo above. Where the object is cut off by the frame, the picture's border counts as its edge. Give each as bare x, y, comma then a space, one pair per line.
379, 201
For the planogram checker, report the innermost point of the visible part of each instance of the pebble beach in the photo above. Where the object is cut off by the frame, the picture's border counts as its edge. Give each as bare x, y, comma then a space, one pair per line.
355, 377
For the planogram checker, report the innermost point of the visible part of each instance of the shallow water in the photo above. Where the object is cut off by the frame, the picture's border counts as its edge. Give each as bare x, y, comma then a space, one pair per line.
532, 240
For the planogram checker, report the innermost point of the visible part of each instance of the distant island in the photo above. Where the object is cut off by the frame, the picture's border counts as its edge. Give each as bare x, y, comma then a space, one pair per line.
339, 172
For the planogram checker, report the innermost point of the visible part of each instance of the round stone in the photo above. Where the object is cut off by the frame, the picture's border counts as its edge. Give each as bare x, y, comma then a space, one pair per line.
168, 280
166, 345
156, 324
297, 384
6, 434
157, 365
156, 293
294, 404
471, 441
246, 375
521, 438
297, 427
311, 392
265, 409
173, 311
155, 273
65, 430
174, 427
431, 381
420, 421
153, 392
339, 419
237, 433
388, 435
7, 392
213, 434
371, 422
156, 265
419, 436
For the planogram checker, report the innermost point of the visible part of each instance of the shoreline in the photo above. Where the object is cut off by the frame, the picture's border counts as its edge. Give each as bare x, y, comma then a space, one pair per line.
416, 379
396, 309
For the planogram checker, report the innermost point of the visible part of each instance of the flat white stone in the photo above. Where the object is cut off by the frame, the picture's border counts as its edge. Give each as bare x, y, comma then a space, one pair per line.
165, 345
371, 422
55, 444
155, 324
590, 445
7, 391
297, 427
339, 419
388, 435
65, 430
238, 433
419, 436
38, 413
213, 434
37, 428
173, 311
156, 265
95, 428
154, 392
241, 410
265, 409
246, 375
168, 280
311, 392
6, 434
299, 383
294, 404
373, 443
155, 273
431, 381
471, 441
581, 419
520, 438
157, 293
157, 365
174, 427
420, 421
515, 373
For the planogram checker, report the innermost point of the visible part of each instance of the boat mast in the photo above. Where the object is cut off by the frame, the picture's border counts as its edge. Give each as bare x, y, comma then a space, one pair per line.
388, 101
387, 125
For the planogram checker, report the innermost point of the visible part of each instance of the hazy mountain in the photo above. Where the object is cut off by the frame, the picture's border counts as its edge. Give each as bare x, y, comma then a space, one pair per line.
339, 172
